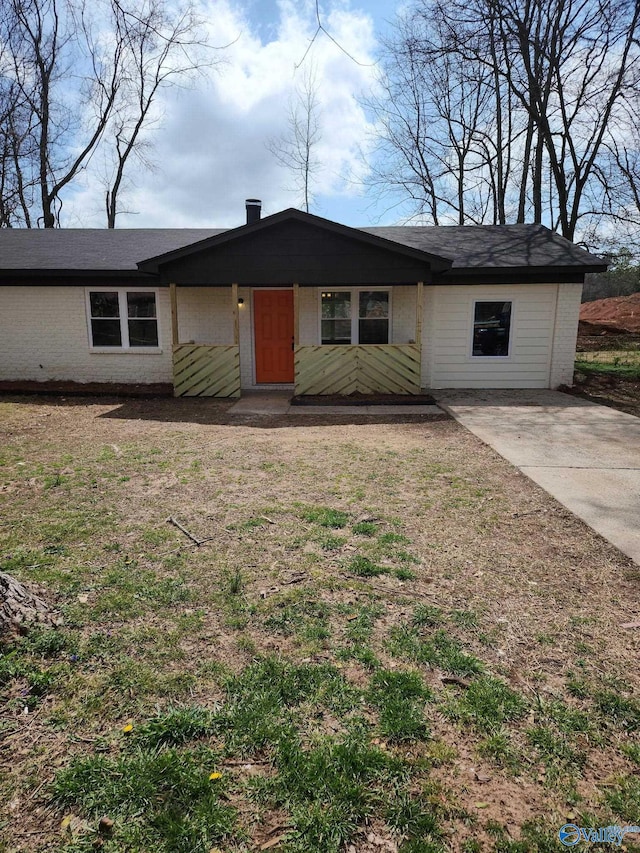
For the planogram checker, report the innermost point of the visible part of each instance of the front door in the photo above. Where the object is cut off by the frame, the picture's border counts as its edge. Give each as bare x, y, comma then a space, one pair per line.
273, 330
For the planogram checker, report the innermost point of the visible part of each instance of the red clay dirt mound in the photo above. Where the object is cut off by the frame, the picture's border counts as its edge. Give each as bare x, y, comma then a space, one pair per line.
616, 314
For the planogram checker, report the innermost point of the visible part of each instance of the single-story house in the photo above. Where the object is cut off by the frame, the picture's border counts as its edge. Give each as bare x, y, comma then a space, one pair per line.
292, 301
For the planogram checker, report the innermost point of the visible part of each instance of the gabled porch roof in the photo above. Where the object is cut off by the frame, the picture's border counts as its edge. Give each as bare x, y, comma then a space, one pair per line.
292, 246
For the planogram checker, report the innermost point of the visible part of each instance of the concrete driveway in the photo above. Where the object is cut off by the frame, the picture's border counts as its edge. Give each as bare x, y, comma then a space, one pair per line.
587, 456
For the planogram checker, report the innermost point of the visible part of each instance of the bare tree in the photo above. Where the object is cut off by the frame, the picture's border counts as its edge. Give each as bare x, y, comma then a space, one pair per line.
72, 78
561, 80
447, 126
296, 148
46, 38
161, 50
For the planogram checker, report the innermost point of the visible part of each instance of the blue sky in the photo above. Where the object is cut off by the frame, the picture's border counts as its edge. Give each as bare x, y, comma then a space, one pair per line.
209, 147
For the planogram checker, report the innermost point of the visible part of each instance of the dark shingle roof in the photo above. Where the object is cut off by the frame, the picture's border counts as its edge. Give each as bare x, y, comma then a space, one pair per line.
91, 248
119, 250
473, 246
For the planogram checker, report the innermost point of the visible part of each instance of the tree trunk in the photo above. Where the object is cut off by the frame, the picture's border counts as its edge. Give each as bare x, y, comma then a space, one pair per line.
20, 608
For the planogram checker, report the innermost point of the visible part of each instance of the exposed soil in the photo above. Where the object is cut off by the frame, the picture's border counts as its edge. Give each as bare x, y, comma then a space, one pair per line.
607, 390
607, 340
363, 400
81, 389
620, 313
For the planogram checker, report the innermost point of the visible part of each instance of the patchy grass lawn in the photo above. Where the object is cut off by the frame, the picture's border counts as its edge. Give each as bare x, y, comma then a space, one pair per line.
391, 640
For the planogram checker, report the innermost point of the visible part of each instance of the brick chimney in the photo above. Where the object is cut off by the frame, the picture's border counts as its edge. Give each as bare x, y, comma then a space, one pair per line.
254, 210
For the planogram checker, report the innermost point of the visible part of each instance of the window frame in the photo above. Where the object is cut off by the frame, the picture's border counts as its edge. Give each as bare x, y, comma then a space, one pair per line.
355, 313
492, 358
123, 310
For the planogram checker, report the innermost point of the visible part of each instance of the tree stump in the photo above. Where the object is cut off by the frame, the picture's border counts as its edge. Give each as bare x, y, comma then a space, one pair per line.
20, 608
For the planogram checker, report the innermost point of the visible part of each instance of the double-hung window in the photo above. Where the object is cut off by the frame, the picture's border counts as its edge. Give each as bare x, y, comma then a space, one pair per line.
123, 319
355, 316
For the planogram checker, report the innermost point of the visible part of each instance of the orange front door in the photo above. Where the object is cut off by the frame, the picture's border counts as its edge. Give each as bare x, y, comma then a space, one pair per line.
273, 326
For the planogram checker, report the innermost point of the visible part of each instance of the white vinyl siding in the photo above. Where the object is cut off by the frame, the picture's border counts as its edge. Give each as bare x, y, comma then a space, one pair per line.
451, 364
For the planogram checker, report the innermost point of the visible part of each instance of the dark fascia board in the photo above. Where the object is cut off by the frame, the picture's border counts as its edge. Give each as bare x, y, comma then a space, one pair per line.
517, 275
437, 262
75, 277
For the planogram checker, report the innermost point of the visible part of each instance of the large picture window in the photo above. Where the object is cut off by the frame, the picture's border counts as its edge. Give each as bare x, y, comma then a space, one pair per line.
123, 319
355, 317
492, 329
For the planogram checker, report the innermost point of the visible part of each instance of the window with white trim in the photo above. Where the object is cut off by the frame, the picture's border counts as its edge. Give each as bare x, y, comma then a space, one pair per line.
354, 316
492, 328
123, 319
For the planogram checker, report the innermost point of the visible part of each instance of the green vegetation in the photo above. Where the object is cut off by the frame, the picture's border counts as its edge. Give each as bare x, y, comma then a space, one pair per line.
326, 517
438, 648
623, 367
487, 704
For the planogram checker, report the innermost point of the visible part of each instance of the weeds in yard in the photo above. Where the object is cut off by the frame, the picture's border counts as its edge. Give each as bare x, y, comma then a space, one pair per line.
623, 799
439, 649
390, 538
326, 517
619, 710
632, 751
365, 568
365, 528
499, 749
173, 727
334, 785
557, 753
399, 698
487, 704
427, 616
338, 734
404, 574
233, 581
358, 631
307, 619
329, 542
161, 800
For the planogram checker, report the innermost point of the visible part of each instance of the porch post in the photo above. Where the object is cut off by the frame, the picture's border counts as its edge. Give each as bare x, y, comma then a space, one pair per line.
296, 315
174, 313
419, 311
236, 318
296, 332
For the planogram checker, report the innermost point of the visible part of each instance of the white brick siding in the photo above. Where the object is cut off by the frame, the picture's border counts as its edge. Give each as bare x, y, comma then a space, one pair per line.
309, 323
44, 336
403, 314
565, 334
205, 315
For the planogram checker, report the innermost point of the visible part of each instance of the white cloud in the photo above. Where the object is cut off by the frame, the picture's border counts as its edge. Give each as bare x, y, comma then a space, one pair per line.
209, 149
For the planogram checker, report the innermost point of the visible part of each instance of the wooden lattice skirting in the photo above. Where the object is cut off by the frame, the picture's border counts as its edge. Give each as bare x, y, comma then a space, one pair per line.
364, 369
206, 371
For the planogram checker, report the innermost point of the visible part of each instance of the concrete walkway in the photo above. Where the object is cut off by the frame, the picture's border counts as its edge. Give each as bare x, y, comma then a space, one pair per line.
587, 456
277, 403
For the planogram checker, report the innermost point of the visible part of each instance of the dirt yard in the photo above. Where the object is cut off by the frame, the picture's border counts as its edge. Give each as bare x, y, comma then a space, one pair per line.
387, 640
